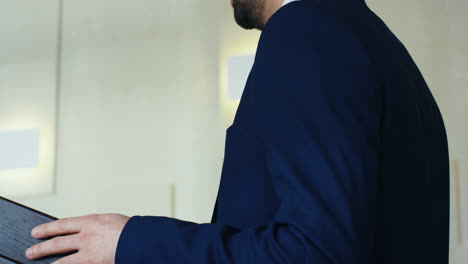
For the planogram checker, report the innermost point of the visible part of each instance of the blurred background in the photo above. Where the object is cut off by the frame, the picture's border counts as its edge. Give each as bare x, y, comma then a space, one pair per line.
125, 103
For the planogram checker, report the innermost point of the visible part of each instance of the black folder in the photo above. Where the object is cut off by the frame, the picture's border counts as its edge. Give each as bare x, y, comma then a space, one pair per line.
16, 223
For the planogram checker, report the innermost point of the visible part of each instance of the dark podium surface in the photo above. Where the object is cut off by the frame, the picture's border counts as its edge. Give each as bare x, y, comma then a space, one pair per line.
16, 223
5, 261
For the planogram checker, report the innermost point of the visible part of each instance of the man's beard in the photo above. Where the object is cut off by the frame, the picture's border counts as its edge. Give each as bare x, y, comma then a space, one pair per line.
248, 13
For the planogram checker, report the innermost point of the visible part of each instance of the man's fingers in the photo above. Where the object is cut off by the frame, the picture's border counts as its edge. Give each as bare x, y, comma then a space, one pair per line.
60, 227
54, 246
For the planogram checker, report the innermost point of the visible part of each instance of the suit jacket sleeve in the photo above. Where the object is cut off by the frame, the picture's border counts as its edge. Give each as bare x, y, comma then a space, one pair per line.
317, 115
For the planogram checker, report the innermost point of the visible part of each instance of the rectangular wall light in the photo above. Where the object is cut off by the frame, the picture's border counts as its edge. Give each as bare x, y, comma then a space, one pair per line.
238, 71
19, 149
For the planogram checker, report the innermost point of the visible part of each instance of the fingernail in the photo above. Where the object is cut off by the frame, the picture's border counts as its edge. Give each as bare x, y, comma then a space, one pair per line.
29, 253
35, 232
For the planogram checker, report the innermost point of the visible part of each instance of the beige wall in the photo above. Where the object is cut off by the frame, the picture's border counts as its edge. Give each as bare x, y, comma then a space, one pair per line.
137, 120
143, 106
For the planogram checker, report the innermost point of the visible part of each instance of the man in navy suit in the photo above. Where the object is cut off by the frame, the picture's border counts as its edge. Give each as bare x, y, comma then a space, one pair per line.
337, 154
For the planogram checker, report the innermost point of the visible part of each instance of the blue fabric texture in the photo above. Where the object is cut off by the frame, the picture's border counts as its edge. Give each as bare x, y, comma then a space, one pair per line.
337, 154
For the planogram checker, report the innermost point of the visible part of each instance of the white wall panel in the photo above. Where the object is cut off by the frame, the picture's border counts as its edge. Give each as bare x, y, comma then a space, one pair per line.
463, 200
28, 37
138, 105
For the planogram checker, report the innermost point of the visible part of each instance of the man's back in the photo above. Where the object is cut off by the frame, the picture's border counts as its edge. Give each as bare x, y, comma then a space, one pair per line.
412, 185
413, 193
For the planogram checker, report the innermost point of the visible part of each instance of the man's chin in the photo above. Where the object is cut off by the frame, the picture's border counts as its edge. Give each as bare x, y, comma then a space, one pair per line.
243, 24
246, 13
246, 24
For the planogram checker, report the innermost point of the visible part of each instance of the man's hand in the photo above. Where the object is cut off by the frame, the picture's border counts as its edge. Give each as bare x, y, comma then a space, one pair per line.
93, 237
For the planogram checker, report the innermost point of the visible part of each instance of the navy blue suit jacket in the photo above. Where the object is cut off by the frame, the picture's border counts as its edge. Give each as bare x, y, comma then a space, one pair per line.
337, 154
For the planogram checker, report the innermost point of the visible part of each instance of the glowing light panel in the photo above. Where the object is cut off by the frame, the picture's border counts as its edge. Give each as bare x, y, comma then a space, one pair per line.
19, 149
